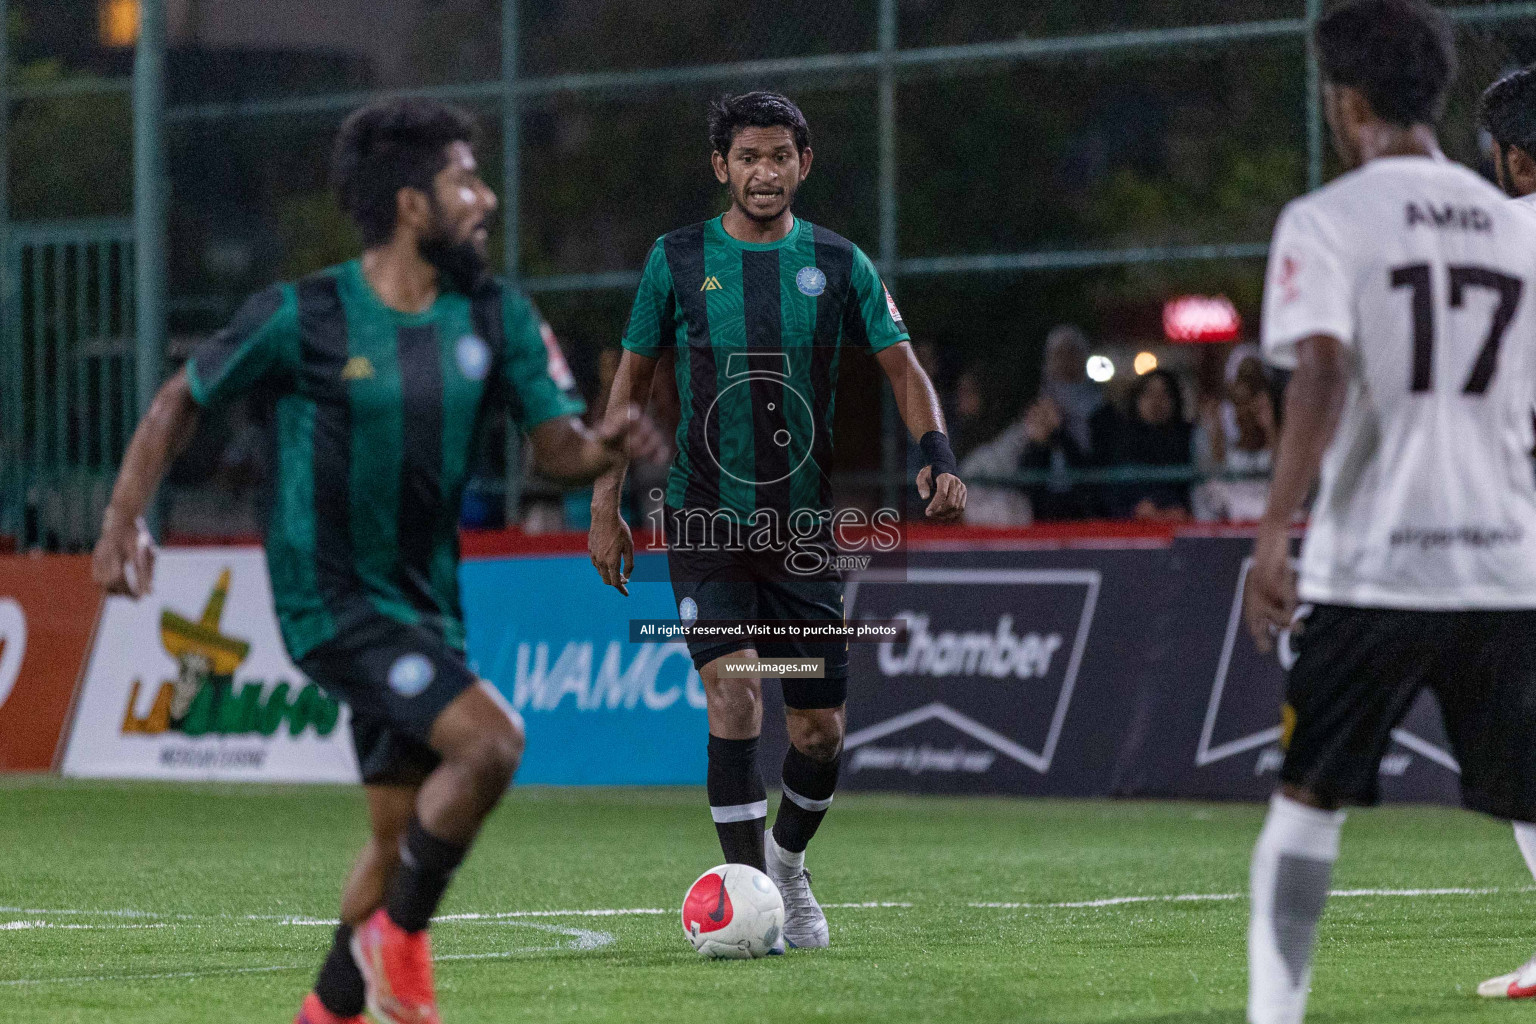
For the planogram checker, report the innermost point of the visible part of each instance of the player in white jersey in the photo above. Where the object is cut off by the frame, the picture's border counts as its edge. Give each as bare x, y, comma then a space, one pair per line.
1509, 119
1402, 297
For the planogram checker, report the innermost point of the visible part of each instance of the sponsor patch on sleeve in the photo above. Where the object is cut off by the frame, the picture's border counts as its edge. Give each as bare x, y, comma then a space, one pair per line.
559, 369
1290, 278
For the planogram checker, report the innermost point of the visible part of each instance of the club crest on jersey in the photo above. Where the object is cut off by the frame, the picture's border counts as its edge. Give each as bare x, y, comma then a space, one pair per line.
411, 674
688, 611
811, 281
559, 369
474, 357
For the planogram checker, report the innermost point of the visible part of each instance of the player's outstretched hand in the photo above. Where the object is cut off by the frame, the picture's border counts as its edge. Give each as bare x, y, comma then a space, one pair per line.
612, 547
948, 498
1269, 601
636, 436
124, 559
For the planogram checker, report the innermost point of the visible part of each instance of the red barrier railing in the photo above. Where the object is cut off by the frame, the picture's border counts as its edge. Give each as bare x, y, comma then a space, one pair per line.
1099, 534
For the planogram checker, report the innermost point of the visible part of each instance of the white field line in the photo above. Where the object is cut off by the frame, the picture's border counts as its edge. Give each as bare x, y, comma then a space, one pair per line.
87, 913
1201, 897
581, 939
21, 926
576, 939
510, 914
295, 920
163, 920
155, 919
1113, 901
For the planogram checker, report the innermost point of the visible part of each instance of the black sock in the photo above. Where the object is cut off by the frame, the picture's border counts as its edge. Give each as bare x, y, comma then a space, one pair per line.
340, 985
737, 800
808, 788
427, 864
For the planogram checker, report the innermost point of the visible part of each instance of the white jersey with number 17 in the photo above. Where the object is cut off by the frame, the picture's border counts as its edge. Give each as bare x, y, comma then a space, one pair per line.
1427, 275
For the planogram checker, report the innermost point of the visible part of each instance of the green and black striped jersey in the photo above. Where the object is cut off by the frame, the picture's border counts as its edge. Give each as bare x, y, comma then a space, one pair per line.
758, 329
376, 414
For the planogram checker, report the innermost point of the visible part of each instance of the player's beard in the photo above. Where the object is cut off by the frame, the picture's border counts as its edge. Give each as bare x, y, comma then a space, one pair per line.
459, 263
1502, 173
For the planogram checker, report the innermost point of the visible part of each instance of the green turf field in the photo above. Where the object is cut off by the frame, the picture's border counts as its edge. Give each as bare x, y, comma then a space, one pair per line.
148, 903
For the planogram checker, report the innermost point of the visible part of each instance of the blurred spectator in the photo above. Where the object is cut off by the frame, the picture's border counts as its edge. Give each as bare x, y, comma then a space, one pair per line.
1154, 435
1237, 436
967, 420
1069, 426
999, 457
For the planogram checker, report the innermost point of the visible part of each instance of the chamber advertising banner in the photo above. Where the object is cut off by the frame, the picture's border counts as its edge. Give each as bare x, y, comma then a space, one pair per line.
599, 709
1020, 672
1219, 700
192, 682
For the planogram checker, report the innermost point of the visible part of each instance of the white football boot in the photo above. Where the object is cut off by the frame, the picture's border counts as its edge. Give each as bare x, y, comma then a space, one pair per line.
1519, 984
805, 926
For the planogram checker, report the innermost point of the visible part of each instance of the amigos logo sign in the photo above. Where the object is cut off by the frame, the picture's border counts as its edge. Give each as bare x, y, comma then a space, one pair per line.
203, 698
174, 693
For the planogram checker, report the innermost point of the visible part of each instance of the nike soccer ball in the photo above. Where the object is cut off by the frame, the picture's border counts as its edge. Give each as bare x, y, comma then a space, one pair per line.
733, 912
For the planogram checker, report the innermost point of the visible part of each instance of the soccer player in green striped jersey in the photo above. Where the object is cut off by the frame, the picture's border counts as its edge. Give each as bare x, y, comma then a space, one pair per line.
376, 376
756, 307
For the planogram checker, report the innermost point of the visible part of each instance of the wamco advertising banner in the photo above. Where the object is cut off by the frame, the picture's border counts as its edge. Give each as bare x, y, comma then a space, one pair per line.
599, 709
192, 682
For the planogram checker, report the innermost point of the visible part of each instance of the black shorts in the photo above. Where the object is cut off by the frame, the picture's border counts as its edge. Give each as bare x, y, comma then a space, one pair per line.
1357, 673
724, 582
396, 679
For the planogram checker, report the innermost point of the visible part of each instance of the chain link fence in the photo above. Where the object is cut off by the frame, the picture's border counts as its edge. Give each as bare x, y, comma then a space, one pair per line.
1010, 167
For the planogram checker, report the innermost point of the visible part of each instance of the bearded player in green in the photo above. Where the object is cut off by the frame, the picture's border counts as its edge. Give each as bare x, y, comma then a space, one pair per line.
376, 376
757, 306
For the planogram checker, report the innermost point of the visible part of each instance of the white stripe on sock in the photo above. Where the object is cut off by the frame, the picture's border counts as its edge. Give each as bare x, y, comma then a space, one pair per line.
1525, 837
1289, 874
739, 812
806, 802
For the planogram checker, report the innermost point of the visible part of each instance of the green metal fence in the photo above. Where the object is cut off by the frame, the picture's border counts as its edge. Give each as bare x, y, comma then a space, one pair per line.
67, 376
884, 66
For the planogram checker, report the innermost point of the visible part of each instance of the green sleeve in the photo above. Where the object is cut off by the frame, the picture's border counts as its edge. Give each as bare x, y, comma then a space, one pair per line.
653, 321
872, 316
536, 371
261, 342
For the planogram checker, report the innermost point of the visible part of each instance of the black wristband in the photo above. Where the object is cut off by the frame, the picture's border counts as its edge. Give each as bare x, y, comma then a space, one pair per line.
937, 454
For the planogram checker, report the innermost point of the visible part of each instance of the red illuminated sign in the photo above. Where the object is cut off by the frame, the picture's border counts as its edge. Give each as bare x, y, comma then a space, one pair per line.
1201, 319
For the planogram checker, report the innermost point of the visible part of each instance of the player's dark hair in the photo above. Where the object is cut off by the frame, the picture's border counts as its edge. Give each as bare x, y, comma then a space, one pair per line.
387, 146
1508, 110
1401, 54
730, 114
